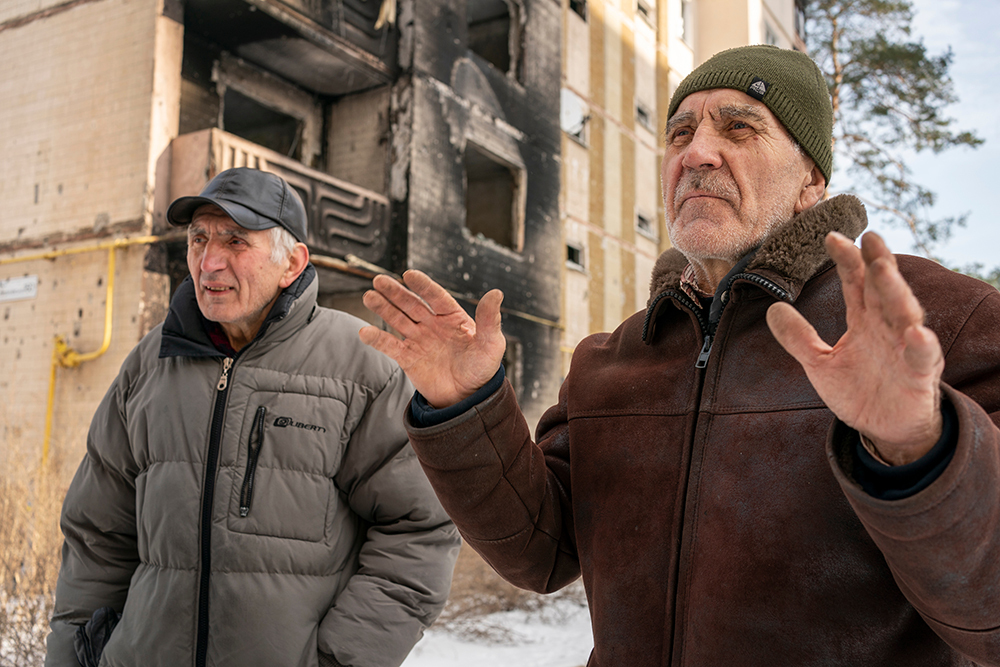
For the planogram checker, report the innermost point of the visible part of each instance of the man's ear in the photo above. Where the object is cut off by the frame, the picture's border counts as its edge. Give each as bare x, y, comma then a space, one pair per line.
297, 262
813, 188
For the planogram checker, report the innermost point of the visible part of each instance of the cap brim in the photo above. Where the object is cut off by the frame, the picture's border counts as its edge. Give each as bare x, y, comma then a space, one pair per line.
182, 210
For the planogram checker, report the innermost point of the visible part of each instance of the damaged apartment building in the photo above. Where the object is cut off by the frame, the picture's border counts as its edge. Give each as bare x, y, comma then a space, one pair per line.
489, 143
430, 142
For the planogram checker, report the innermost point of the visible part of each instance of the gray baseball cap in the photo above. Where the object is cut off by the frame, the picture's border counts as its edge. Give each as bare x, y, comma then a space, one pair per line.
254, 199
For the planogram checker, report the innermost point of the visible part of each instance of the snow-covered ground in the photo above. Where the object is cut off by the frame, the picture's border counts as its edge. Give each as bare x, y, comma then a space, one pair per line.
558, 635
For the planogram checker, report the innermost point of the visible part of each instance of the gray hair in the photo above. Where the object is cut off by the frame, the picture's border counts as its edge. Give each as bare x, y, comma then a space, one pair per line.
282, 244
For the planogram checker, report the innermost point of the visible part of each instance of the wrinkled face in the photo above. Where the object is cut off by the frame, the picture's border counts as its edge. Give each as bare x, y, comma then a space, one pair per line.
235, 280
731, 174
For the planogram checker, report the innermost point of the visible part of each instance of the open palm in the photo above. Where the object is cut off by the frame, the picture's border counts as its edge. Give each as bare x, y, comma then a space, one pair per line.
883, 376
446, 354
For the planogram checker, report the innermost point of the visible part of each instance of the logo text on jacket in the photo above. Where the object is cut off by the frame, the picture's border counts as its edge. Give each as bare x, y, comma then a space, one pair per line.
288, 421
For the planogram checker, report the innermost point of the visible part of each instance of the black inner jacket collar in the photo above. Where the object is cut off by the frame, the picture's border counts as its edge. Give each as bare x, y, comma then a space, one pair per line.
185, 331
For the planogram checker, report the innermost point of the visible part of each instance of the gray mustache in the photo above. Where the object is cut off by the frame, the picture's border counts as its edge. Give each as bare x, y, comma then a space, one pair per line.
713, 183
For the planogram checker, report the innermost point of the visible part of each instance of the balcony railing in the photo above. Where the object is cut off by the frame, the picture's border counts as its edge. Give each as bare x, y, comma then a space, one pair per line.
344, 219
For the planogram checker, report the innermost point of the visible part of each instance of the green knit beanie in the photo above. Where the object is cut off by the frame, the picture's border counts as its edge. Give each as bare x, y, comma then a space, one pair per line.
788, 82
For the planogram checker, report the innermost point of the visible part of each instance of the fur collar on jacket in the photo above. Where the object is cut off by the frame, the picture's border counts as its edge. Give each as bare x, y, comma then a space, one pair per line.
795, 252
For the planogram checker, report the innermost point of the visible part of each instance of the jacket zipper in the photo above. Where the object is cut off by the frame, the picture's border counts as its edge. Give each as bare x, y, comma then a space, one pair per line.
218, 417
709, 328
253, 451
706, 327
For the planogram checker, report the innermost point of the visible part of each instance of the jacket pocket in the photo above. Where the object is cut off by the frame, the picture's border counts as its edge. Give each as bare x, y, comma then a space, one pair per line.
254, 443
283, 459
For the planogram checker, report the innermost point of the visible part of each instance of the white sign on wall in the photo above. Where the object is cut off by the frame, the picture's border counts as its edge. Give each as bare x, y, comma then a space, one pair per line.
16, 289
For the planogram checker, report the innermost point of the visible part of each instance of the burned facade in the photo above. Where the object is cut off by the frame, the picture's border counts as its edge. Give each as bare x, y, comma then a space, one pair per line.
490, 143
430, 142
432, 148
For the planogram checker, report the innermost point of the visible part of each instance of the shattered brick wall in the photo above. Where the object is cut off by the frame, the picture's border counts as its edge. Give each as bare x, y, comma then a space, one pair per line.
453, 98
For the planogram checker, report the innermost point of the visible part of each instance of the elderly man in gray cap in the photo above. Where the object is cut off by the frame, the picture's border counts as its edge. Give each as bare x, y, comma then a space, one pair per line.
248, 496
683, 472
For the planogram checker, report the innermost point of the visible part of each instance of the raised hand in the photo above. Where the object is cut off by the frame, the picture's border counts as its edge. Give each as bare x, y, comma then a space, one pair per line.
883, 376
446, 354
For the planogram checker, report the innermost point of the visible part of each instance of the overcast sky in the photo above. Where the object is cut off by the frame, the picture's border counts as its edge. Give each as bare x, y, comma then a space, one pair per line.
964, 179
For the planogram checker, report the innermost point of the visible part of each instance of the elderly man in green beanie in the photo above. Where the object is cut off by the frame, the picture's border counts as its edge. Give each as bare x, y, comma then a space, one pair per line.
790, 457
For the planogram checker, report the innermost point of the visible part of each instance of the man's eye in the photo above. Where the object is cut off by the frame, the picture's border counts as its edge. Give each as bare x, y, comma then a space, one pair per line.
681, 134
740, 125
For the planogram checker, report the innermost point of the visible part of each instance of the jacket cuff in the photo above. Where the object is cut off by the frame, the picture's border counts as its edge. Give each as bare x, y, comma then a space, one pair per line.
888, 482
423, 414
961, 483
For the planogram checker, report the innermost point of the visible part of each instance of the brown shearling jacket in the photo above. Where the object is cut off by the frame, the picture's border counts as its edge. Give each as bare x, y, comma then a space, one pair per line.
709, 523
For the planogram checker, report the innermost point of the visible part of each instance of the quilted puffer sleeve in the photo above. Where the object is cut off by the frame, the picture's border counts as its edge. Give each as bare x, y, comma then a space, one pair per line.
406, 562
100, 550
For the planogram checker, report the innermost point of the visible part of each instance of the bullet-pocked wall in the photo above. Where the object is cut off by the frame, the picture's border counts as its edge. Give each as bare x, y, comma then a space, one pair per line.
482, 180
81, 118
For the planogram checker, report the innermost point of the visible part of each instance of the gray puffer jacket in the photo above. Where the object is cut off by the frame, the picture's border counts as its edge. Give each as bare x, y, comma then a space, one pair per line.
259, 510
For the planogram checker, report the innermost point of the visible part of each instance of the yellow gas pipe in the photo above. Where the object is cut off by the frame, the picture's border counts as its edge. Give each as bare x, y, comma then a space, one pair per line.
62, 354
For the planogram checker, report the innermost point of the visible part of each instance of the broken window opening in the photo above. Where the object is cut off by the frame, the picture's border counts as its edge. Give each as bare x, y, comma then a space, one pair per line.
687, 22
800, 19
580, 7
770, 36
493, 207
645, 10
573, 115
574, 257
494, 30
251, 120
644, 224
644, 116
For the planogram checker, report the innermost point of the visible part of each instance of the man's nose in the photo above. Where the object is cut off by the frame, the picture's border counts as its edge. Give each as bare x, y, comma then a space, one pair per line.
704, 150
213, 258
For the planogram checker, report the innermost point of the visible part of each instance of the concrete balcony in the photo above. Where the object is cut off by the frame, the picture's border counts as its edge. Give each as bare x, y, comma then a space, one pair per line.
344, 219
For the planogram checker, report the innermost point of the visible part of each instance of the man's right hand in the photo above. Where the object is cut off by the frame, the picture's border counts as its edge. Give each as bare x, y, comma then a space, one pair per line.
446, 354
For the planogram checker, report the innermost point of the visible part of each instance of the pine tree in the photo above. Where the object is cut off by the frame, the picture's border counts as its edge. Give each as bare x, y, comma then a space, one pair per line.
889, 99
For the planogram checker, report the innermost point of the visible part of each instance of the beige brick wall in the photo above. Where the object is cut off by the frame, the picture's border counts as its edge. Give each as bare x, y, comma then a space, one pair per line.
71, 299
13, 10
616, 175
75, 116
84, 127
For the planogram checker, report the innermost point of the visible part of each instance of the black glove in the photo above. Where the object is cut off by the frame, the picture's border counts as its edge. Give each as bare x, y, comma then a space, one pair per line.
91, 638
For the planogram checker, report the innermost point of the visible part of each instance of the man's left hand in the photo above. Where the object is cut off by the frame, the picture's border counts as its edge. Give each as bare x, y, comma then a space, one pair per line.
882, 378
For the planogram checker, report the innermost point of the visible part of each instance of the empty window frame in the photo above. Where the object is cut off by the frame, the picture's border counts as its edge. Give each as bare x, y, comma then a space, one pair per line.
800, 19
494, 202
270, 112
248, 118
580, 7
574, 257
495, 32
687, 22
573, 115
770, 36
644, 116
644, 223
645, 10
